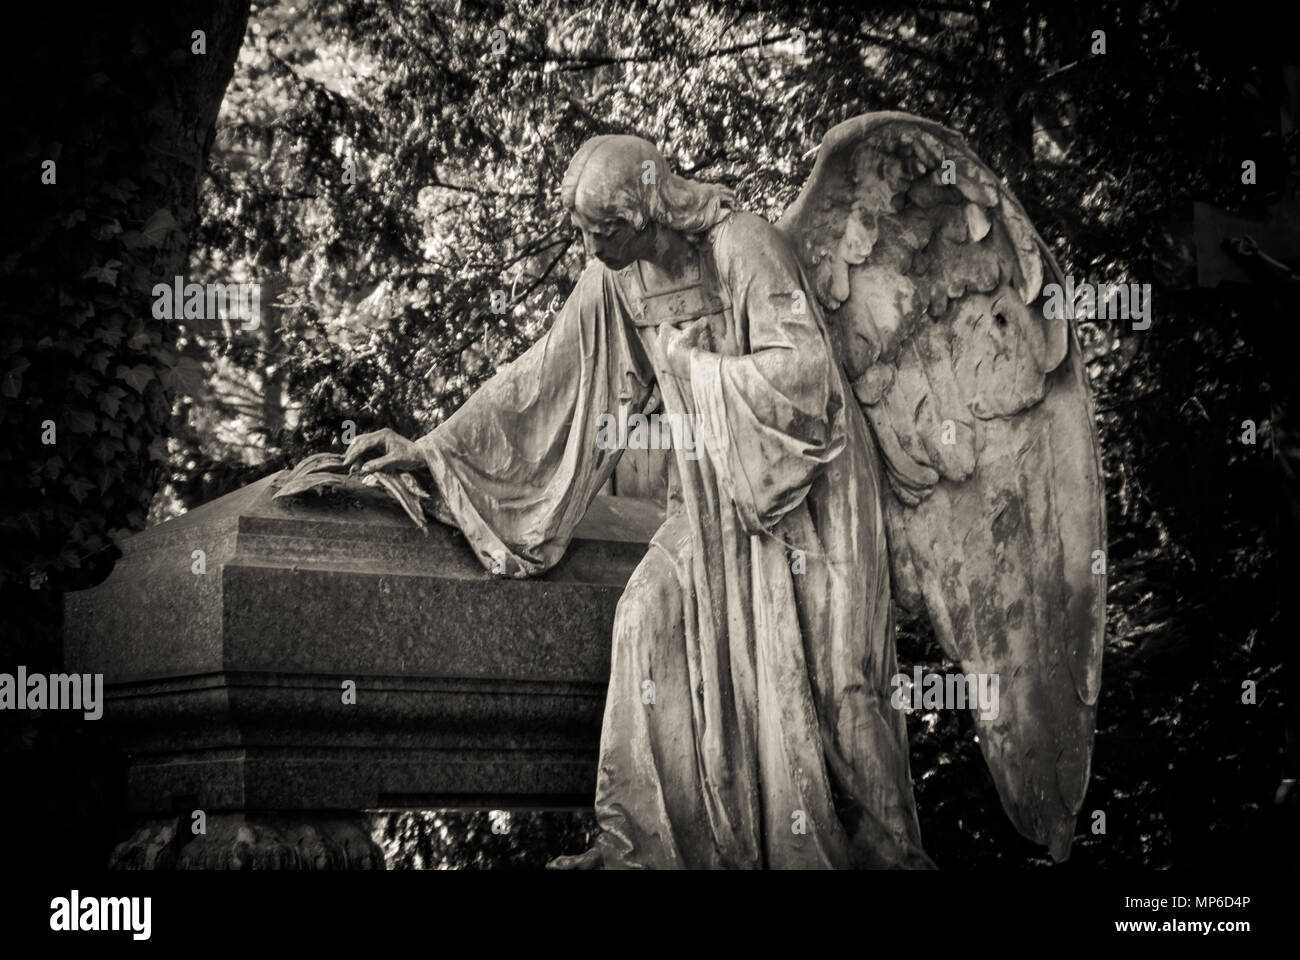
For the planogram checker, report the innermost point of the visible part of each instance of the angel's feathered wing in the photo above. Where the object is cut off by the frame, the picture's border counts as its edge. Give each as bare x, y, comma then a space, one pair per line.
932, 277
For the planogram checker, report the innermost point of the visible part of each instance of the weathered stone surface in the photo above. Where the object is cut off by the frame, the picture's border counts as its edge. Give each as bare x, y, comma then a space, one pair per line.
226, 688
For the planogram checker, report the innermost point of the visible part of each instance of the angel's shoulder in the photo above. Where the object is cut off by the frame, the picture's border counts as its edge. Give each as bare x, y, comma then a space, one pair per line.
745, 236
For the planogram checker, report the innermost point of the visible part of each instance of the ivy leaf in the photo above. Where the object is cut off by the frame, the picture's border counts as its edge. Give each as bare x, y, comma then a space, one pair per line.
110, 333
81, 421
106, 230
107, 448
79, 486
96, 81
75, 346
120, 190
104, 274
136, 377
133, 408
156, 228
111, 400
12, 384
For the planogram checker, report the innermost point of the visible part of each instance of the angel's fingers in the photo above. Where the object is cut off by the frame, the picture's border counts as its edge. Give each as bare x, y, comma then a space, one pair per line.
690, 336
386, 463
361, 445
678, 338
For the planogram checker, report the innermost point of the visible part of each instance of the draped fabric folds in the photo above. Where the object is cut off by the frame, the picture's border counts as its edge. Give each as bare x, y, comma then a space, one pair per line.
517, 465
748, 721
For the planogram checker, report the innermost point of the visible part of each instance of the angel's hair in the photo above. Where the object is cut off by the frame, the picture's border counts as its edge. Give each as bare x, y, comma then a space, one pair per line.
611, 171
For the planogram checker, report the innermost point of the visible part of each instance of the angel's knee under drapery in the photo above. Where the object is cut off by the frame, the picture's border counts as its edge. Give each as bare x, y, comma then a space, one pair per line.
760, 734
825, 783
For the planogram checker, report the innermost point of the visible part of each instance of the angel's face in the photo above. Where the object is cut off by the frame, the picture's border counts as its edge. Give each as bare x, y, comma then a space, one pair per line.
611, 240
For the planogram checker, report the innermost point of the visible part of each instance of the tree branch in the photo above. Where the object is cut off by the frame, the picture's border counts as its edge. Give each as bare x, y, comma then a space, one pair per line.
580, 62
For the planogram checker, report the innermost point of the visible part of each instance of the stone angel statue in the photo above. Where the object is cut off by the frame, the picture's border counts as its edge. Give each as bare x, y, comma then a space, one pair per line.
886, 414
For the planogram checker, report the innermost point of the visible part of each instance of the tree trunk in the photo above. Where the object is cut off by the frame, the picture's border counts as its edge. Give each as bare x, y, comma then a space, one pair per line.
112, 113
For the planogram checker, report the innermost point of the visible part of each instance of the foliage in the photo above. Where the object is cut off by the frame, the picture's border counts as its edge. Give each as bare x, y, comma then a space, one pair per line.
481, 839
85, 370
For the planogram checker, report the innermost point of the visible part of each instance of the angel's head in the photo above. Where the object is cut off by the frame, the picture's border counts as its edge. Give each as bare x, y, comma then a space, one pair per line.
618, 191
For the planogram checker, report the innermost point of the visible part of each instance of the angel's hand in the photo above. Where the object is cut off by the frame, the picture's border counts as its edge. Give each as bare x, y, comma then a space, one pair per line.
391, 453
678, 344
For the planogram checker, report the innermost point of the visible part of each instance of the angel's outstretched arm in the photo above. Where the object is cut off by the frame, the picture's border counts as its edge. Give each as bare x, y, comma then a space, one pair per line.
518, 464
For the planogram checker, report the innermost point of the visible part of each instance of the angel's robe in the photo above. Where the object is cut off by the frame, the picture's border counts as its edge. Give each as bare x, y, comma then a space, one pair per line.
748, 721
